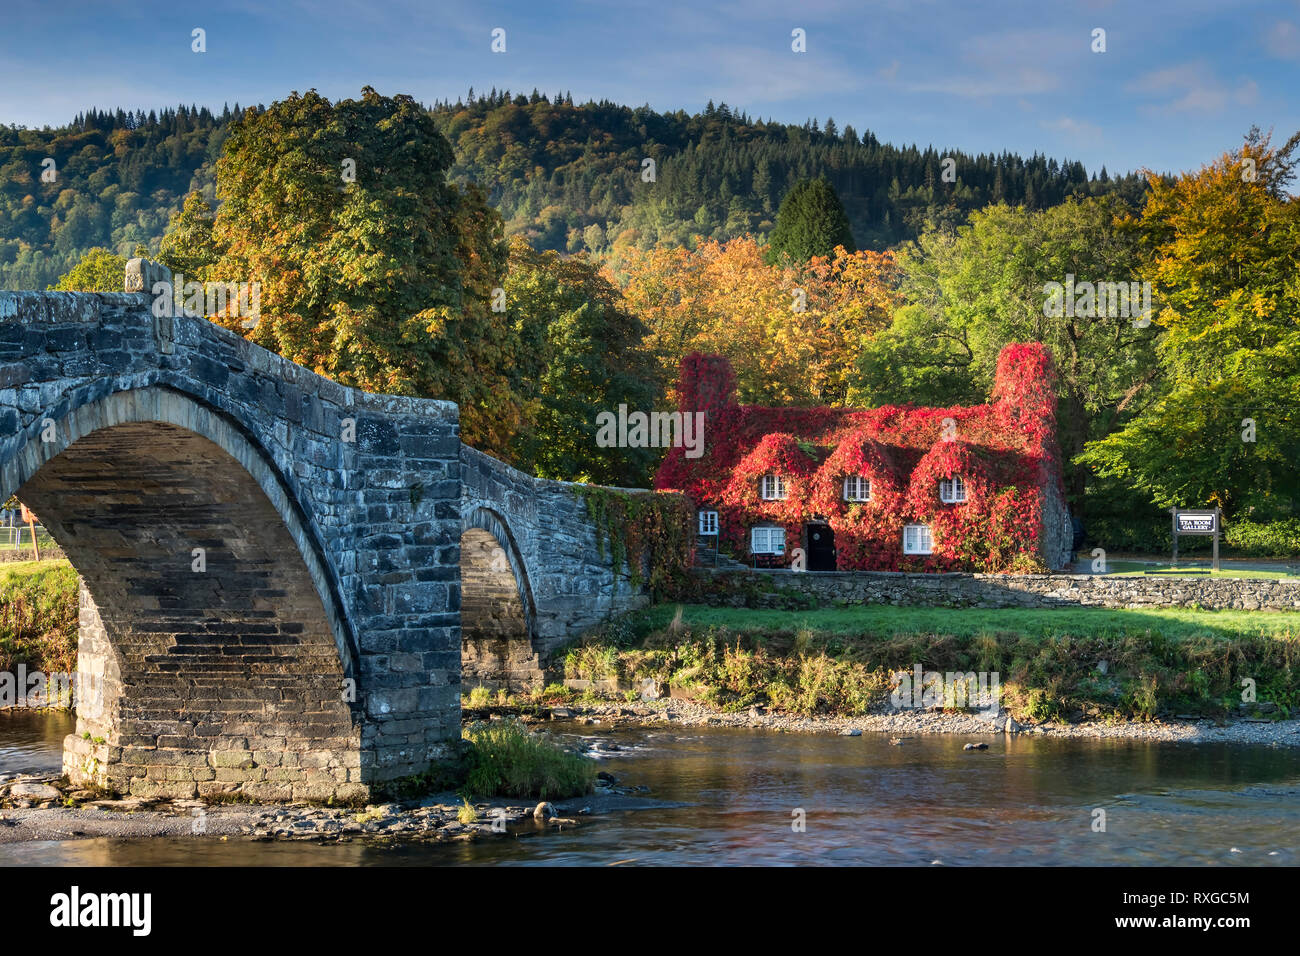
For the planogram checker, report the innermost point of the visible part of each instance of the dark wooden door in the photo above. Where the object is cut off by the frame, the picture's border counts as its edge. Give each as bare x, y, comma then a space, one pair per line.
821, 547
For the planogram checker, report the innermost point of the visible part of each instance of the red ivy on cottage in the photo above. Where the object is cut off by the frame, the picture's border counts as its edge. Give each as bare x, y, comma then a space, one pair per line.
1004, 452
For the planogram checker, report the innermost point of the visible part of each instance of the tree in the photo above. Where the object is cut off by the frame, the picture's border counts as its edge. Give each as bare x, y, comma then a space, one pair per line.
98, 271
374, 270
811, 222
188, 247
585, 356
1221, 246
791, 333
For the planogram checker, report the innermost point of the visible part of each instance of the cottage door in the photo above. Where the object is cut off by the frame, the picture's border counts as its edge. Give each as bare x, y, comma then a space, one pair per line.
821, 547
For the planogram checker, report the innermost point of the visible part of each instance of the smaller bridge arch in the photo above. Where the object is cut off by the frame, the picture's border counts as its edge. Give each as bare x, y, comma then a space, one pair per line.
498, 612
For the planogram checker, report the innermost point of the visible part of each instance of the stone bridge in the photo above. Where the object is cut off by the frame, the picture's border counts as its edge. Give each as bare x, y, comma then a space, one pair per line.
279, 574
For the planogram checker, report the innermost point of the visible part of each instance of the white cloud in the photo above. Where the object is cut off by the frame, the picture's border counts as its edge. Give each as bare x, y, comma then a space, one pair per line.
1074, 130
1192, 88
1283, 40
1012, 63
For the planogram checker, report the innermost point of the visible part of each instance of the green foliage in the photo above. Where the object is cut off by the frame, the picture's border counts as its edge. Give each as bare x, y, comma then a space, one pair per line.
568, 176
466, 813
584, 355
811, 222
644, 530
508, 761
188, 248
98, 271
971, 291
119, 177
565, 176
1276, 539
1220, 251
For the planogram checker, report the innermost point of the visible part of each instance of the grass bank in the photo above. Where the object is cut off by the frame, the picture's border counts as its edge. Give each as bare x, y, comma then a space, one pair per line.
1053, 664
38, 616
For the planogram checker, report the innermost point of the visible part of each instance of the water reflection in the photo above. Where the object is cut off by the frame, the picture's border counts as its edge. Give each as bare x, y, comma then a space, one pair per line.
1025, 800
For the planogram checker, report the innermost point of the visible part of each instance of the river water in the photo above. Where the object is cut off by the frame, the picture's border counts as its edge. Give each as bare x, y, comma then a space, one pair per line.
1024, 801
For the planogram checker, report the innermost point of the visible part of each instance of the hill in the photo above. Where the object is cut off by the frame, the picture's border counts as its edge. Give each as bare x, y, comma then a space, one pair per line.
568, 176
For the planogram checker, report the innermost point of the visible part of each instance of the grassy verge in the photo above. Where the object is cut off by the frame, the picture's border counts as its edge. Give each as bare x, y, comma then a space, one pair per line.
38, 616
1052, 664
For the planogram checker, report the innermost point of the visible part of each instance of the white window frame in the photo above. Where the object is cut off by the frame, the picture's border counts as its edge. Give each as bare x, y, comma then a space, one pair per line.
772, 488
856, 483
708, 523
766, 540
917, 539
952, 491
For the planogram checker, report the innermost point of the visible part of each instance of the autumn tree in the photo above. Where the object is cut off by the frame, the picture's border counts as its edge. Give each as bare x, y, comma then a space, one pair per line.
792, 332
1221, 246
374, 270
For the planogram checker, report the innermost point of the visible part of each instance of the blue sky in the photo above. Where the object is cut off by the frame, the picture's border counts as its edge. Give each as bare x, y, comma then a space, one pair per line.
1179, 83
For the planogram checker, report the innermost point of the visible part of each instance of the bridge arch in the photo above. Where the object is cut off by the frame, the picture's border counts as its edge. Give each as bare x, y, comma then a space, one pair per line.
214, 649
498, 610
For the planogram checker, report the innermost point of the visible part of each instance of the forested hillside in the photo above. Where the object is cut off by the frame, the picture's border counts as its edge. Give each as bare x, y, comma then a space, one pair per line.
570, 177
117, 179
567, 176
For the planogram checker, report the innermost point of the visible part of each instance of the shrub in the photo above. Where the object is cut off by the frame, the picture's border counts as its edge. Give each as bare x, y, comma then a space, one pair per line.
1275, 539
508, 761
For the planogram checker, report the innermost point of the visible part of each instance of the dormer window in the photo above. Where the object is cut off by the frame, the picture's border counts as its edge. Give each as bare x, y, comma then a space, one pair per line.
857, 488
708, 523
772, 488
952, 490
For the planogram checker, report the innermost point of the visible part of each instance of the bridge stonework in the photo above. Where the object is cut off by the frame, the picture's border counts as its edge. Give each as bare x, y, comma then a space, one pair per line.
272, 564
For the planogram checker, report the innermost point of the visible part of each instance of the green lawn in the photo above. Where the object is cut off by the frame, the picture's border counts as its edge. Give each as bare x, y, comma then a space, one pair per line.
888, 621
1138, 569
38, 615
10, 568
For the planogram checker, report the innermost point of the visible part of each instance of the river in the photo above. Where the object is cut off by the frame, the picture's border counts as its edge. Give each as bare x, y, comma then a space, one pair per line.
1024, 801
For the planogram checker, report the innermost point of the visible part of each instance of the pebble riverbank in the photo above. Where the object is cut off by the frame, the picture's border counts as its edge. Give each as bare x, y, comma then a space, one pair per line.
36, 807
689, 713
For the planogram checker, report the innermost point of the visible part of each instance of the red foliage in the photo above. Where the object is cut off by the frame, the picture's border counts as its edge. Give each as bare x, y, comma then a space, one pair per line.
1005, 452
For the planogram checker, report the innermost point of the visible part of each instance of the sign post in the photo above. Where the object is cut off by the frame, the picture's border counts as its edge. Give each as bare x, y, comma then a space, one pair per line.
30, 520
1197, 521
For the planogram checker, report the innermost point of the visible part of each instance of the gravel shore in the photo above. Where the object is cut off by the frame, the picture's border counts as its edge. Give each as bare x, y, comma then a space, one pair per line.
687, 713
32, 808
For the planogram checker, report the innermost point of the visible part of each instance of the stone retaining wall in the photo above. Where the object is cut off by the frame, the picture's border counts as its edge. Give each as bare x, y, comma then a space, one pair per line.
1010, 590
